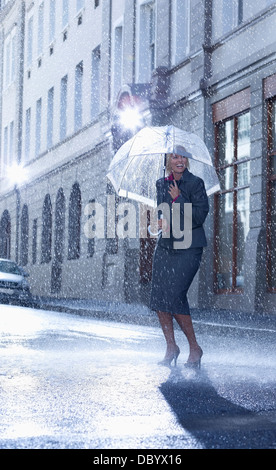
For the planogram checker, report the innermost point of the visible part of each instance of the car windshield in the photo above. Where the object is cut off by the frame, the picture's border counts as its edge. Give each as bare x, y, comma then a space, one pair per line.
9, 267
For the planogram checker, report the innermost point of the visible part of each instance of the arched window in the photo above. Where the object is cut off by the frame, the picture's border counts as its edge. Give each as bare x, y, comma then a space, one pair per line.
46, 239
24, 236
56, 276
59, 225
5, 235
74, 226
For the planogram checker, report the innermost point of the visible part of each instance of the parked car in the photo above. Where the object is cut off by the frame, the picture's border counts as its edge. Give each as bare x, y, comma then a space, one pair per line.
14, 287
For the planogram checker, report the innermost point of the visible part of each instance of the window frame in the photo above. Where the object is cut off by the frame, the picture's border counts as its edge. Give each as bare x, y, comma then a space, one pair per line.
270, 98
117, 65
176, 59
229, 109
74, 223
146, 63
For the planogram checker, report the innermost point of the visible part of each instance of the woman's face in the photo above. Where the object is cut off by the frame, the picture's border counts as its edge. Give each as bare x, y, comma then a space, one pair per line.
178, 163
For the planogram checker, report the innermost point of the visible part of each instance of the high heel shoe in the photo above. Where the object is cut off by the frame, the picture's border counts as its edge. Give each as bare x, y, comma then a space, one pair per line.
172, 357
194, 364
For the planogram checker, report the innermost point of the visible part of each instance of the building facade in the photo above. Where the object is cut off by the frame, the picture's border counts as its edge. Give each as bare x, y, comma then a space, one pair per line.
68, 70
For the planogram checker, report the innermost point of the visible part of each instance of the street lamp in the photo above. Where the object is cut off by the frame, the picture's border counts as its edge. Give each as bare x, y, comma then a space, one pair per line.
130, 118
16, 174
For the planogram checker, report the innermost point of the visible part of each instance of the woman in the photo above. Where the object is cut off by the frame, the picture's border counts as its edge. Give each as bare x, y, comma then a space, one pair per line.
173, 268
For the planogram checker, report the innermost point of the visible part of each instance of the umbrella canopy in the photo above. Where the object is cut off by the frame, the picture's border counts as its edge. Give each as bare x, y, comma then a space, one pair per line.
139, 163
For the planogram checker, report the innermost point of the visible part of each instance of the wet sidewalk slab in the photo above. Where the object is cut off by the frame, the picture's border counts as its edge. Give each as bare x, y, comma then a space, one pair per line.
224, 320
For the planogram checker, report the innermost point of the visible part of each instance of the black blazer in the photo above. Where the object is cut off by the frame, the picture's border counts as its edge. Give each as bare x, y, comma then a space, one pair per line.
192, 190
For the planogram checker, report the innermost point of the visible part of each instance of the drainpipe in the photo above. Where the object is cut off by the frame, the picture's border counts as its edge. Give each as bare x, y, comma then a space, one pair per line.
204, 297
207, 47
109, 51
21, 30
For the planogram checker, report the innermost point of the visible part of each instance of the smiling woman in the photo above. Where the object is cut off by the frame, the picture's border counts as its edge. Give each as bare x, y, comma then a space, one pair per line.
173, 268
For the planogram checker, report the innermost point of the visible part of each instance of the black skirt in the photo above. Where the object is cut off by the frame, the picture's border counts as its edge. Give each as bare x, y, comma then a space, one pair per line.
172, 275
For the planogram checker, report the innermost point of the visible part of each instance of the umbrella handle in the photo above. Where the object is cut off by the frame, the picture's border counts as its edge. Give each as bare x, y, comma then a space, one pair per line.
154, 234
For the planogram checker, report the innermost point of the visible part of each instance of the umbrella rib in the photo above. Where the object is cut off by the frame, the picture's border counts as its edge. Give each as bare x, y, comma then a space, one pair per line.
126, 171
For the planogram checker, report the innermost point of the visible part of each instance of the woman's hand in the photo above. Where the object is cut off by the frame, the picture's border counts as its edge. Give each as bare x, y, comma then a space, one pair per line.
174, 190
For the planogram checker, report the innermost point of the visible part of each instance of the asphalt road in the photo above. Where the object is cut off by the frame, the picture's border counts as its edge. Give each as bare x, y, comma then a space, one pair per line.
73, 382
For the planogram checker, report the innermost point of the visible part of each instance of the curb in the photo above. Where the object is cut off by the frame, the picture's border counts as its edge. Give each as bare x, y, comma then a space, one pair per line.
241, 324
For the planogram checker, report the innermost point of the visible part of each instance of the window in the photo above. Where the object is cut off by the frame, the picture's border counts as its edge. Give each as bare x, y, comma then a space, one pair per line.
52, 27
56, 274
117, 60
78, 95
270, 95
30, 42
28, 134
63, 108
180, 30
46, 239
112, 243
6, 147
38, 127
5, 235
232, 204
95, 82
59, 226
13, 58
91, 241
65, 13
40, 31
250, 9
50, 118
11, 146
7, 63
34, 241
146, 41
24, 245
227, 15
79, 5
74, 226
9, 59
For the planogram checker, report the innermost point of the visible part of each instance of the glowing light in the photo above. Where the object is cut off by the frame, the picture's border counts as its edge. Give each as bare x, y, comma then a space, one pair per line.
130, 118
16, 173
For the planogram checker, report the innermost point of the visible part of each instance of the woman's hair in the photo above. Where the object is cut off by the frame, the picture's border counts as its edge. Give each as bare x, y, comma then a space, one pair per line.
168, 163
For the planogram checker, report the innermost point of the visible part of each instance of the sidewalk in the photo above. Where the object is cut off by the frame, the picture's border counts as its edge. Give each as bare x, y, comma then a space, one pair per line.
141, 314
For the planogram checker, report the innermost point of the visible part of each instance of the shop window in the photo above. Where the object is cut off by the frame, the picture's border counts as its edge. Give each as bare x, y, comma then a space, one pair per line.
232, 203
270, 94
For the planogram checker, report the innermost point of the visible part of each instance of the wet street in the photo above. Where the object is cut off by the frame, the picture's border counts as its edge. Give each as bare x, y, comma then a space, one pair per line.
68, 381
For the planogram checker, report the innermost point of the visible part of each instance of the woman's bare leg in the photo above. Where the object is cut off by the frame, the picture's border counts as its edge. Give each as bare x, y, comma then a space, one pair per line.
166, 321
186, 325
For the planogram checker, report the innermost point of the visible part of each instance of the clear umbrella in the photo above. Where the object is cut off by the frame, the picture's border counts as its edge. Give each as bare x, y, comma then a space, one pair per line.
141, 161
